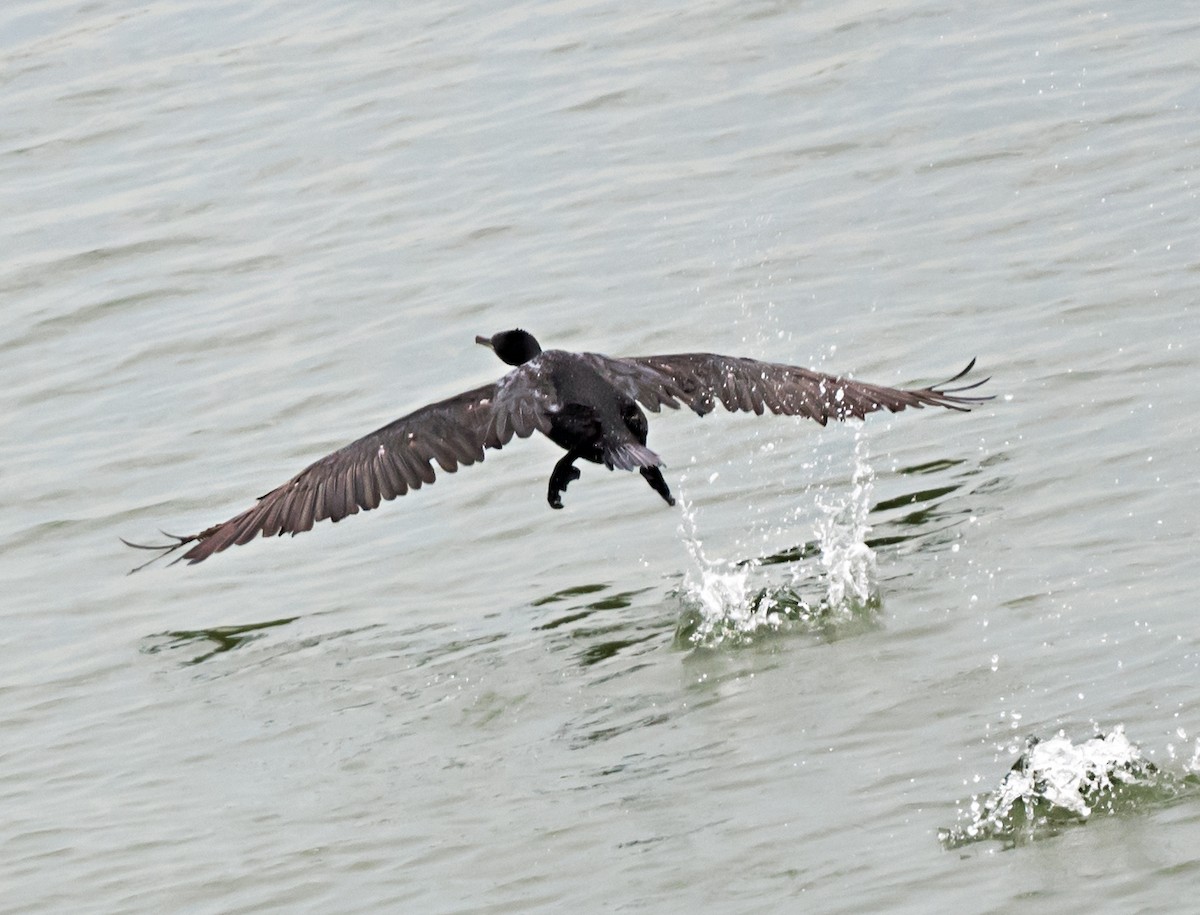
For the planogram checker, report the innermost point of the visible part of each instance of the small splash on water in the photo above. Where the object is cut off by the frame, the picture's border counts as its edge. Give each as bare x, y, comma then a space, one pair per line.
848, 563
728, 599
719, 595
1056, 783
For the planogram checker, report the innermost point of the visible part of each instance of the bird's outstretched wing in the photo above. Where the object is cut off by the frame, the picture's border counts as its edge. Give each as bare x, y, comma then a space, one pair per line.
700, 380
385, 464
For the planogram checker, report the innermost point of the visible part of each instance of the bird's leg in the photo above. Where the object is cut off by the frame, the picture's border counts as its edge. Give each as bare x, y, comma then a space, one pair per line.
564, 472
655, 478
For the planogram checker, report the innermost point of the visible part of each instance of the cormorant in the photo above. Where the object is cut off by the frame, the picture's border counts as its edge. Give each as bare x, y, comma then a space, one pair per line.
586, 403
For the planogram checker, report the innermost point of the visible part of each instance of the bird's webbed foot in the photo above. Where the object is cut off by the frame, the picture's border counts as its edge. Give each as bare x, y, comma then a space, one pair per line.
655, 478
564, 472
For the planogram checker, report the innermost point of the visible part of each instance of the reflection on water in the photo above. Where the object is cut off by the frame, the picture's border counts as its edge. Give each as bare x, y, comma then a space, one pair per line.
568, 593
616, 601
604, 640
211, 642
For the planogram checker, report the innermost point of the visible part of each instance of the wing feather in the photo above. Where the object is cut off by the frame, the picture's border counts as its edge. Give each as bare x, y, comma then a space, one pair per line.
387, 463
700, 380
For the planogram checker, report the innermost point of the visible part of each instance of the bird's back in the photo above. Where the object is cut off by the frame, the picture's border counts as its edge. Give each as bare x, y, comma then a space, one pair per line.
592, 416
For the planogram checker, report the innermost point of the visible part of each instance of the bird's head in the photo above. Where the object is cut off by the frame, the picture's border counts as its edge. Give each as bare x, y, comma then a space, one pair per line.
516, 347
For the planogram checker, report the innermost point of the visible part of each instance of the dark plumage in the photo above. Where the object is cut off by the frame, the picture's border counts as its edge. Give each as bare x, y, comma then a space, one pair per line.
585, 403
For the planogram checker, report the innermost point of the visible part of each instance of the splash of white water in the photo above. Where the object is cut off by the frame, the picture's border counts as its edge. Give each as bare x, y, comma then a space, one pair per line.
1057, 782
720, 591
848, 563
729, 598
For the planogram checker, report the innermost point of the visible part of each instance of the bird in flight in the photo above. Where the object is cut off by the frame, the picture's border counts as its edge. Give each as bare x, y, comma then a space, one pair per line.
586, 403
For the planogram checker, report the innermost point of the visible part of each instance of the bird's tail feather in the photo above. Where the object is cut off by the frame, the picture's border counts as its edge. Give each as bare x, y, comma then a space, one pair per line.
630, 456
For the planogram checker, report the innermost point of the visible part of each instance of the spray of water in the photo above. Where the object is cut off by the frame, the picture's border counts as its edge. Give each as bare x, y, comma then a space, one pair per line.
736, 599
847, 561
718, 593
1057, 783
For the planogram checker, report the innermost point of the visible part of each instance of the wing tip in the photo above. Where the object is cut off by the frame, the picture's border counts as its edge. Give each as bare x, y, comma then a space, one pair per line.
161, 549
952, 398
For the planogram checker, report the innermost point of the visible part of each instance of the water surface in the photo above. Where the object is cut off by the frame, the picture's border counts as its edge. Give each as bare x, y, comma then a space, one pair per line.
238, 236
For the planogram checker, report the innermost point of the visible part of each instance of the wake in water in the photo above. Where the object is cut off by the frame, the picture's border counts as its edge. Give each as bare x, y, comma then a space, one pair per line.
1056, 783
728, 600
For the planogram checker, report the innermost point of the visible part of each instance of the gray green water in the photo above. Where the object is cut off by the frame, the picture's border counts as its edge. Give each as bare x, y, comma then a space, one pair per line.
236, 236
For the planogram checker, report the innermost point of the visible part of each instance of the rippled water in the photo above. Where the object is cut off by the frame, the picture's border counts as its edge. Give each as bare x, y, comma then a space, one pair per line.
237, 236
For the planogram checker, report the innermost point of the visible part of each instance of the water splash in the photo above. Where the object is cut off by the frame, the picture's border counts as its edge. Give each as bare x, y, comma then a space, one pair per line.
1056, 783
720, 592
847, 561
735, 599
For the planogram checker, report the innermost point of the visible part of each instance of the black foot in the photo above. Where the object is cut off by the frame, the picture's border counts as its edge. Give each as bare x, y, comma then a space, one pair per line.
564, 472
655, 478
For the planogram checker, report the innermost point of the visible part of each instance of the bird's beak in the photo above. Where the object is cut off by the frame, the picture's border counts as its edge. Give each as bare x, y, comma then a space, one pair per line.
484, 341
